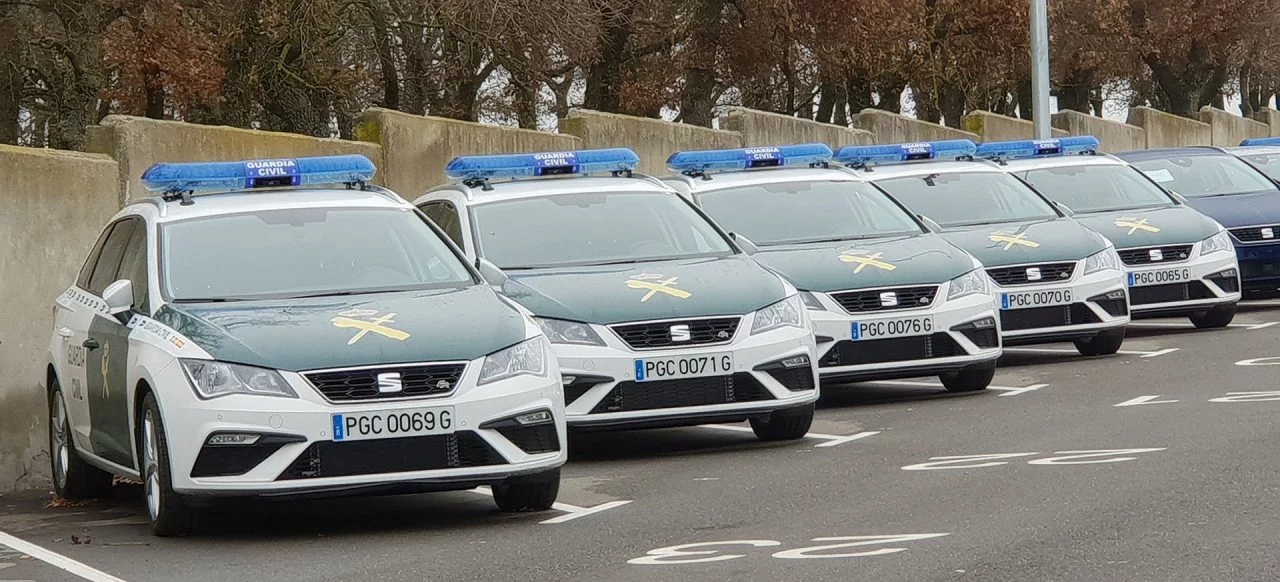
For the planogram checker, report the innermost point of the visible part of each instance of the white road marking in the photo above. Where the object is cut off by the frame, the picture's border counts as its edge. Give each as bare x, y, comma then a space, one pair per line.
1139, 401
1139, 353
572, 512
56, 560
1008, 390
1248, 397
1268, 361
1189, 325
1263, 325
832, 440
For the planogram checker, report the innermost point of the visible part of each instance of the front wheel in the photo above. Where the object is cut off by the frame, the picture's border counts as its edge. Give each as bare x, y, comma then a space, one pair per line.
170, 514
784, 425
73, 479
1217, 317
1104, 344
968, 379
530, 493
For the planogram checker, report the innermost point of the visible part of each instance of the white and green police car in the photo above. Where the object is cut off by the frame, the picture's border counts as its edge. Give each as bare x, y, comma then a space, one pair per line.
1177, 260
657, 316
1056, 279
279, 338
888, 297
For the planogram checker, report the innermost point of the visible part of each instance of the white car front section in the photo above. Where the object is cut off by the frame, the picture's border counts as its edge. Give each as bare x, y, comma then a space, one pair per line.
1172, 279
1061, 300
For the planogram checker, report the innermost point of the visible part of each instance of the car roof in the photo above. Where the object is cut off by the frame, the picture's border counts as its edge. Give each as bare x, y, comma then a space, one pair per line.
552, 186
926, 168
222, 203
723, 180
1023, 164
1246, 150
1159, 153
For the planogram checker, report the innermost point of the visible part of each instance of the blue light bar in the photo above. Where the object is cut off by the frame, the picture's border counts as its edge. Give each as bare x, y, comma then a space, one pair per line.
905, 152
207, 176
541, 164
1034, 148
1261, 141
703, 161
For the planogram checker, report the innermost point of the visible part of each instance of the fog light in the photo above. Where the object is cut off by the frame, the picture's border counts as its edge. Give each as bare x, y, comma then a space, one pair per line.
986, 323
538, 417
1229, 273
1117, 294
796, 361
232, 439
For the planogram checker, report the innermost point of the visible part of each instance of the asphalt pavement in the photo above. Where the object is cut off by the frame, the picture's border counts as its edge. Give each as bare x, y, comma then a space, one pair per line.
1155, 464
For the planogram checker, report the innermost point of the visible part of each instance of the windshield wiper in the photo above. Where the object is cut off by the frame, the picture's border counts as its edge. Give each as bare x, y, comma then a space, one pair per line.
207, 299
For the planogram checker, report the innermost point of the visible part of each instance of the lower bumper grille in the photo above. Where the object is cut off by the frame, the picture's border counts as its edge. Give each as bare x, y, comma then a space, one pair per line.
423, 453
1253, 269
1169, 293
795, 379
540, 438
899, 349
983, 338
1038, 317
628, 396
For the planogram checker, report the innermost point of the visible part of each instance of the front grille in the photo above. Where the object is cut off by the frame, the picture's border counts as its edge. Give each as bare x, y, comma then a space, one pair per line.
657, 334
1038, 317
902, 298
628, 396
362, 385
1230, 284
1167, 254
795, 379
898, 349
1168, 293
535, 439
422, 453
1049, 273
983, 338
1252, 269
1252, 234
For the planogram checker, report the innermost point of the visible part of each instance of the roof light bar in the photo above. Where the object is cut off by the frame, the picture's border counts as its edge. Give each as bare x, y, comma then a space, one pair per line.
863, 156
480, 168
275, 173
1261, 141
698, 162
1038, 148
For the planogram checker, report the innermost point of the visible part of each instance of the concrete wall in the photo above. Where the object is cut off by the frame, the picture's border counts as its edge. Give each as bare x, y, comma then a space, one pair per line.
52, 206
652, 139
889, 128
995, 127
1166, 130
416, 148
137, 142
1113, 135
1229, 130
760, 128
1271, 118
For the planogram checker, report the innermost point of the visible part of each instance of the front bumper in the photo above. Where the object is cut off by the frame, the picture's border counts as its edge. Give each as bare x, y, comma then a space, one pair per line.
1259, 267
298, 456
1203, 283
601, 391
1099, 302
951, 343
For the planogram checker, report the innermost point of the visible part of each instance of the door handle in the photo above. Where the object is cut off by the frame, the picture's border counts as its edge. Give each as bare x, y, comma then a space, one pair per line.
92, 344
64, 331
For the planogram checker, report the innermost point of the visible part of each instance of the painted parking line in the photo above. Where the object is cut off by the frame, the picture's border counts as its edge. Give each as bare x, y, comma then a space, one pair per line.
1007, 390
56, 560
571, 512
1139, 353
1189, 325
831, 439
1139, 401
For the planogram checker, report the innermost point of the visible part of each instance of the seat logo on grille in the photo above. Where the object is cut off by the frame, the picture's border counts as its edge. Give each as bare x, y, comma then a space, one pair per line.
681, 333
1135, 224
1156, 255
390, 382
1033, 274
1268, 232
888, 299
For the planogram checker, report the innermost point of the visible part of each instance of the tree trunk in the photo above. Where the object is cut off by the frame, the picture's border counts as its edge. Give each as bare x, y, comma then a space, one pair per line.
387, 69
604, 78
697, 101
828, 96
10, 77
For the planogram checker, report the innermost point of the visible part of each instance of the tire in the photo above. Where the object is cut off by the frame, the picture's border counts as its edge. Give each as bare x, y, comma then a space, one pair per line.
531, 493
969, 379
1104, 344
73, 479
1215, 318
171, 515
784, 425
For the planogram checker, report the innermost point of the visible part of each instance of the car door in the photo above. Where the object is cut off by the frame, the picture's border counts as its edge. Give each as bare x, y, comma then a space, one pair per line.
107, 344
445, 215
73, 312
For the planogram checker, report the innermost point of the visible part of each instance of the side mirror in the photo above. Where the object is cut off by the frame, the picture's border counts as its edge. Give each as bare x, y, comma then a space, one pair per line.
747, 246
929, 223
1065, 209
1180, 199
491, 273
119, 296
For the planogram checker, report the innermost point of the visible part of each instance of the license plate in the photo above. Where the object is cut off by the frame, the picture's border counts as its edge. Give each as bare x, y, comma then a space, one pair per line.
1143, 278
675, 368
885, 328
1025, 299
390, 424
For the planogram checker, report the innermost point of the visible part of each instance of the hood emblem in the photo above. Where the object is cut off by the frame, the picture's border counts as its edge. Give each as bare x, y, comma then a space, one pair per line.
681, 333
1033, 274
866, 259
364, 321
1135, 224
1008, 239
656, 284
888, 299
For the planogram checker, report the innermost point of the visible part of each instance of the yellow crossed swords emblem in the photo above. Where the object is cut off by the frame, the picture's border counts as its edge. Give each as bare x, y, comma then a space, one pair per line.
1133, 224
348, 320
1012, 239
657, 284
865, 259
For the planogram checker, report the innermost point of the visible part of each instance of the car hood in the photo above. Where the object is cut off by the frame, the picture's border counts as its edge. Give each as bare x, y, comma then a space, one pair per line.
1252, 209
1160, 226
608, 294
329, 332
1043, 241
860, 264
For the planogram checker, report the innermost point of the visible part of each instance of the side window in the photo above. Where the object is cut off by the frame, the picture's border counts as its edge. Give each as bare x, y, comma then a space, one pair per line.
133, 266
86, 272
446, 217
108, 264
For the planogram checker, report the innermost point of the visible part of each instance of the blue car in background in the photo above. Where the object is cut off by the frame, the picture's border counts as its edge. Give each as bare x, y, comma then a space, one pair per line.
1262, 153
1236, 194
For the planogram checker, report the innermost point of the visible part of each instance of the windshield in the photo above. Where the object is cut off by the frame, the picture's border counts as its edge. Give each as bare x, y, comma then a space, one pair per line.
801, 211
1098, 188
593, 228
969, 198
304, 252
1269, 164
1204, 175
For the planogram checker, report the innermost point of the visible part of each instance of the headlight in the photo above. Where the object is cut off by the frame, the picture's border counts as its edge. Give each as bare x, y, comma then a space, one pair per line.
560, 331
213, 379
1101, 261
781, 314
527, 357
970, 283
1217, 243
811, 301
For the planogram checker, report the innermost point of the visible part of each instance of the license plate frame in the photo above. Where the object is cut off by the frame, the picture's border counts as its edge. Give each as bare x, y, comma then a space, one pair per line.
1153, 277
390, 424
1038, 298
683, 367
891, 328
